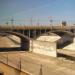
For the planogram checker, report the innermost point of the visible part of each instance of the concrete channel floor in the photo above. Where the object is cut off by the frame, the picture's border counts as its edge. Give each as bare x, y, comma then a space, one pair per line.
37, 64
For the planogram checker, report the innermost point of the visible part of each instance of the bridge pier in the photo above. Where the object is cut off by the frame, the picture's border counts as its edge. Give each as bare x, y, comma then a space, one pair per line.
40, 31
25, 44
23, 32
29, 33
45, 30
34, 33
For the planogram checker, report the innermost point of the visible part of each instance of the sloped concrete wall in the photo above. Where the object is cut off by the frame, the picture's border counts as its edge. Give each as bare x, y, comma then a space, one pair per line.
71, 46
16, 39
43, 47
7, 41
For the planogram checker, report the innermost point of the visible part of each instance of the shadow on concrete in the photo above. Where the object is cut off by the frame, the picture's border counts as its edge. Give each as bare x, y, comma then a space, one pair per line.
25, 41
2, 49
68, 57
60, 46
1, 73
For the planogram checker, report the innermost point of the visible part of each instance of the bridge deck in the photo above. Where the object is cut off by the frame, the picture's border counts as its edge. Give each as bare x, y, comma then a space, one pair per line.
37, 27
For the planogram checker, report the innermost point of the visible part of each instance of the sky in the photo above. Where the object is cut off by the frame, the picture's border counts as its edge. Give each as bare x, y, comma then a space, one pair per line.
36, 11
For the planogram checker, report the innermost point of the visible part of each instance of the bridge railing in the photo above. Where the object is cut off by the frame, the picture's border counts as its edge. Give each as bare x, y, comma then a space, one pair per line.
25, 27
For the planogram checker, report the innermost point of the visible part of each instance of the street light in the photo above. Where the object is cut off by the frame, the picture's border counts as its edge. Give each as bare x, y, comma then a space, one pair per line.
38, 22
51, 21
7, 25
31, 20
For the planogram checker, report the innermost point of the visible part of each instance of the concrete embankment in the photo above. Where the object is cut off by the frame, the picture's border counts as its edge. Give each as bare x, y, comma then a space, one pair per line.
15, 39
8, 41
36, 64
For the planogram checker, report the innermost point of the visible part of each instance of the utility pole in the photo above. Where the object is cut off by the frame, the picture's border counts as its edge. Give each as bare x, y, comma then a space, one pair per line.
38, 22
51, 23
31, 20
12, 23
7, 25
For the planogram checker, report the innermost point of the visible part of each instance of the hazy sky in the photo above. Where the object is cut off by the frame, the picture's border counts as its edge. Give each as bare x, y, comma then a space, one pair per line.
38, 9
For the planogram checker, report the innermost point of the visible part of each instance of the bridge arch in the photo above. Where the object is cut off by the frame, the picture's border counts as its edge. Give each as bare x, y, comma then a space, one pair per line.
66, 38
46, 34
25, 41
61, 33
58, 32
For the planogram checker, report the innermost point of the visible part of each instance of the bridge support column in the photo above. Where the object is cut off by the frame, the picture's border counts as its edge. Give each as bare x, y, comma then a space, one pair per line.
29, 34
45, 30
40, 31
24, 44
23, 32
34, 33
74, 32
